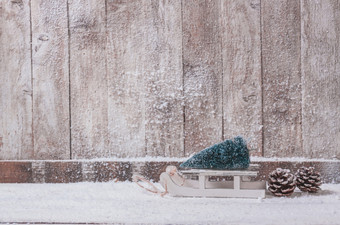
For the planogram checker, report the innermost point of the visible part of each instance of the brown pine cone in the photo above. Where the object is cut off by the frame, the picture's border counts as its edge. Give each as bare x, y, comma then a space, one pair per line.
281, 182
308, 180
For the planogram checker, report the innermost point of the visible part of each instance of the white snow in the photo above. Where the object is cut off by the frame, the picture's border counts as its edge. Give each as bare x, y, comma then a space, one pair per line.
125, 202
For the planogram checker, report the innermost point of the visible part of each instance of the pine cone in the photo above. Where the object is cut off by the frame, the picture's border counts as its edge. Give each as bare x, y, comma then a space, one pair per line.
281, 182
308, 179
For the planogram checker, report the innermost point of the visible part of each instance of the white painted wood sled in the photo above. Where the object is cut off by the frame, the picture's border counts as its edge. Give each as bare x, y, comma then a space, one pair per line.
185, 183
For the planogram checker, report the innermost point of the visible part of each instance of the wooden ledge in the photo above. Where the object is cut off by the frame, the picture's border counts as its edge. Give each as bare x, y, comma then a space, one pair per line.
103, 171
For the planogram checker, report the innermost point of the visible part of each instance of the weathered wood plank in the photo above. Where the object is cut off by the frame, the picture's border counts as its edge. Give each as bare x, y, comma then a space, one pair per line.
88, 78
281, 78
16, 172
16, 140
63, 172
126, 58
321, 78
202, 65
164, 80
50, 79
145, 80
242, 93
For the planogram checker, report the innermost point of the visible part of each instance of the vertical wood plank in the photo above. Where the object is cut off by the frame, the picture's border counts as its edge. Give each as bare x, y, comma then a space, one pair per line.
126, 58
164, 80
145, 78
16, 140
87, 23
281, 78
321, 78
202, 67
242, 93
50, 79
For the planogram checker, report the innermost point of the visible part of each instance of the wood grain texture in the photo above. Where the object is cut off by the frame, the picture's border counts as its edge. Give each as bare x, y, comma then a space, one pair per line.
281, 78
164, 80
321, 78
168, 78
242, 93
16, 140
145, 78
87, 23
16, 172
63, 172
50, 79
126, 69
202, 67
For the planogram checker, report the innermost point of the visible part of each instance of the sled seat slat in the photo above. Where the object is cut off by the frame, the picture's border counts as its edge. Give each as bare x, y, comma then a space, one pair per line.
221, 172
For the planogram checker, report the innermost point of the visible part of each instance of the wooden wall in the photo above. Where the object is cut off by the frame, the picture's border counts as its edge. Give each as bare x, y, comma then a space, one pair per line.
82, 79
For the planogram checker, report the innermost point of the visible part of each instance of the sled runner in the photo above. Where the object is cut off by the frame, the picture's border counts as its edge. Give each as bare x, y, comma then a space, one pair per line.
184, 184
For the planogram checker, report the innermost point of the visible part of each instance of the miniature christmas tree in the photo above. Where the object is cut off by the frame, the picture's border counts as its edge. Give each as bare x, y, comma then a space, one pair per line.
230, 154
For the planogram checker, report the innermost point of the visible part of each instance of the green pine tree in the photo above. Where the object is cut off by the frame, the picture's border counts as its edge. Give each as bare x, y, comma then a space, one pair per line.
229, 155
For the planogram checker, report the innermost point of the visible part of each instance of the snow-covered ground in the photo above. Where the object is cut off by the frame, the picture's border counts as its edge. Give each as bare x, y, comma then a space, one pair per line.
127, 203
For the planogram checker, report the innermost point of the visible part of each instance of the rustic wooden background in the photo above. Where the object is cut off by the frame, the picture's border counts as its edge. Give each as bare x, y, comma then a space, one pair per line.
83, 79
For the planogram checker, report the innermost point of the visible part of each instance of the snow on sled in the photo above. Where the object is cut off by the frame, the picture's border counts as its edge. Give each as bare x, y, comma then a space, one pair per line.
227, 159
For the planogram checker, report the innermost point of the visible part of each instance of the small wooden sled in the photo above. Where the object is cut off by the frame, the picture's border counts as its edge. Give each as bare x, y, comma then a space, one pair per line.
181, 183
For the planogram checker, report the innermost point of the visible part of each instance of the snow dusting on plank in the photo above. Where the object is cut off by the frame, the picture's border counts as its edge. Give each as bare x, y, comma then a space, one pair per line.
291, 159
182, 159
